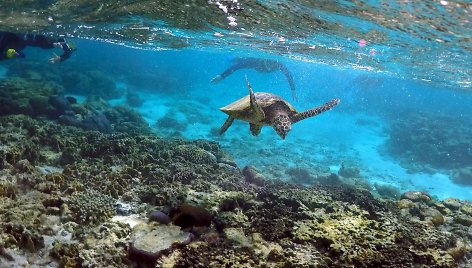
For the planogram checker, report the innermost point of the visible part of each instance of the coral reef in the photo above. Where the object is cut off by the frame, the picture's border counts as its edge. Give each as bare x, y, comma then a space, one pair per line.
134, 100
91, 207
92, 81
127, 120
18, 96
60, 186
150, 241
47, 99
187, 216
180, 116
387, 191
424, 142
160, 217
349, 171
462, 175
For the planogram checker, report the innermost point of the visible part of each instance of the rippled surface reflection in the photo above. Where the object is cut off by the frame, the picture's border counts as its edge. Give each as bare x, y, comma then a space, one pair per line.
425, 40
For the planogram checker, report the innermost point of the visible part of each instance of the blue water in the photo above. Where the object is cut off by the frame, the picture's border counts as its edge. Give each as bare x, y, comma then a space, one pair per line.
176, 84
413, 76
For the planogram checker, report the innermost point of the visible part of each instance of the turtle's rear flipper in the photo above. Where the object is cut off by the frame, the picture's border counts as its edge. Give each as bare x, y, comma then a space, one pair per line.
255, 129
315, 111
226, 125
255, 108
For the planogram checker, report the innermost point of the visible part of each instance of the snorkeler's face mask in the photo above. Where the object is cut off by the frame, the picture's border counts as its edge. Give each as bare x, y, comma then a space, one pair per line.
11, 53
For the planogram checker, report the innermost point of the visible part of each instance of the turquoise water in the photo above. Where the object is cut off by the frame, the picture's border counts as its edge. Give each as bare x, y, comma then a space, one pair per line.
113, 158
176, 84
410, 77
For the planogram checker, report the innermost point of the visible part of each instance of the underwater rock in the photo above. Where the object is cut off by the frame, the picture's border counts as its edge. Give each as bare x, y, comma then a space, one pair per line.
159, 217
150, 241
167, 122
187, 216
5, 254
462, 175
300, 175
98, 122
251, 175
329, 179
95, 103
123, 208
434, 216
349, 172
452, 203
406, 203
69, 119
237, 237
71, 100
416, 196
60, 103
459, 251
134, 100
387, 191
24, 166
254, 242
127, 120
40, 106
463, 220
95, 122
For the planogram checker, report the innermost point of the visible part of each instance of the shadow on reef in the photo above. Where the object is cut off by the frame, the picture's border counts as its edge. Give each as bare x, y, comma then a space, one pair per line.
427, 142
74, 198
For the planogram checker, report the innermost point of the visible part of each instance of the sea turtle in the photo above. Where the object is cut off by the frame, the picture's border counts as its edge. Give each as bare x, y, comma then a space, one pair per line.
267, 109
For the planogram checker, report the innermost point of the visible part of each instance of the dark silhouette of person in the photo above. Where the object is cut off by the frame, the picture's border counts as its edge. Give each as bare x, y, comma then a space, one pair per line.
11, 45
260, 65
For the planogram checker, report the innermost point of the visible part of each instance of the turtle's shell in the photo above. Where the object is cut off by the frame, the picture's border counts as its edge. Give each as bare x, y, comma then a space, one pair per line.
270, 103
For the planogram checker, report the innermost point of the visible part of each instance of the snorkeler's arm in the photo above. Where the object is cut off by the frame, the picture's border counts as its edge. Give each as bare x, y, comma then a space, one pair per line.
290, 81
61, 43
67, 50
41, 41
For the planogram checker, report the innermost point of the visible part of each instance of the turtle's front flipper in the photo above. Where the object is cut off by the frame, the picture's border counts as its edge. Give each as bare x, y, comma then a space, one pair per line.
315, 111
226, 125
255, 129
255, 108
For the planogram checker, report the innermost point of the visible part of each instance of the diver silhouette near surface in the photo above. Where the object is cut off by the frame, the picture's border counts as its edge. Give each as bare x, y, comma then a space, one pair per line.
260, 65
11, 45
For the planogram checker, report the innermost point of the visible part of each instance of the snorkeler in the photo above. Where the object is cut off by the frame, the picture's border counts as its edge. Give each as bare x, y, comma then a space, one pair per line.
11, 45
260, 65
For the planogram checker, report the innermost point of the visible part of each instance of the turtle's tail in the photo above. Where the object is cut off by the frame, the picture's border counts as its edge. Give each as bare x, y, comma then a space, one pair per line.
315, 111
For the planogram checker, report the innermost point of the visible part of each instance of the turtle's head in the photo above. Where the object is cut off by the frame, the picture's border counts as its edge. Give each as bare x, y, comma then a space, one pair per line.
282, 125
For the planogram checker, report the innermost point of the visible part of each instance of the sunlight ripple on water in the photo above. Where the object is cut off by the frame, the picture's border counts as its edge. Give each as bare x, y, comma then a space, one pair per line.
425, 40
